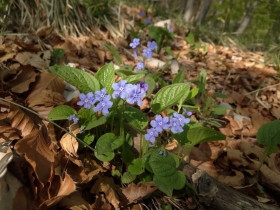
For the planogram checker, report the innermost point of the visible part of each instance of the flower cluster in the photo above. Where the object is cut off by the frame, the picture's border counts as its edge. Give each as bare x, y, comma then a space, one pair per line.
175, 123
100, 97
148, 52
100, 100
131, 93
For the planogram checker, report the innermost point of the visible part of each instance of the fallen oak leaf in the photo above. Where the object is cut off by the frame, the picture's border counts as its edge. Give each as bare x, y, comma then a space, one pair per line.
74, 201
135, 192
46, 81
21, 121
69, 143
66, 187
109, 188
37, 153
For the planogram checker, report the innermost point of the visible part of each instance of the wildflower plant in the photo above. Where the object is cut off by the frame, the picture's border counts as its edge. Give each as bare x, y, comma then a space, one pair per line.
107, 108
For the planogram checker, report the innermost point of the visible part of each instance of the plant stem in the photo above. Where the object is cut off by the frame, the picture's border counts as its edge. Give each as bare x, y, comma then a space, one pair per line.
50, 121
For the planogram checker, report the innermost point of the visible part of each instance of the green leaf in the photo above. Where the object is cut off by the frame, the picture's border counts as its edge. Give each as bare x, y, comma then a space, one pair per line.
88, 139
86, 116
97, 122
127, 177
180, 77
182, 137
169, 96
58, 53
105, 75
116, 173
108, 142
193, 93
204, 134
163, 187
137, 167
219, 95
164, 168
169, 51
269, 136
81, 80
135, 118
190, 38
115, 53
218, 110
134, 78
61, 112
151, 84
105, 157
127, 155
191, 108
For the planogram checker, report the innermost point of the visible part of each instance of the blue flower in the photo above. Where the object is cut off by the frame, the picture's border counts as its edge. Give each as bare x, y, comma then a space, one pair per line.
152, 45
175, 125
140, 65
160, 123
181, 119
144, 86
103, 105
187, 113
121, 89
134, 43
86, 100
148, 21
148, 53
135, 95
100, 95
142, 13
73, 118
151, 134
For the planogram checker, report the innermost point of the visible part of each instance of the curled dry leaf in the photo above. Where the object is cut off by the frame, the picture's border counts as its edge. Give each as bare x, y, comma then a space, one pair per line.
40, 60
135, 192
22, 77
66, 187
46, 81
37, 153
21, 121
109, 188
74, 201
69, 143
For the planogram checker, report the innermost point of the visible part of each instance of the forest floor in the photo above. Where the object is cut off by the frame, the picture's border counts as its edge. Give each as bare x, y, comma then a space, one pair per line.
253, 99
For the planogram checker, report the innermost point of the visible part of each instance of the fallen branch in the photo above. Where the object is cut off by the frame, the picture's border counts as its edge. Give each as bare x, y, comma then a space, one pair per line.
215, 195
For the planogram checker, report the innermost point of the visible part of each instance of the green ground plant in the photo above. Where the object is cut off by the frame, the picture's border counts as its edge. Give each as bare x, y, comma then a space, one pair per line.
109, 117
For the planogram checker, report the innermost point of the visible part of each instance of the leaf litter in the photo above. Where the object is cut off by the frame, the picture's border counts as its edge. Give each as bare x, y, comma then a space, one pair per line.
58, 175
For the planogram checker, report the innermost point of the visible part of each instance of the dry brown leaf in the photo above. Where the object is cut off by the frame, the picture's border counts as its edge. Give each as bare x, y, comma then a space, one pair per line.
22, 77
233, 180
69, 143
101, 55
21, 121
47, 98
35, 60
46, 81
74, 201
109, 188
66, 187
267, 177
101, 203
37, 153
135, 192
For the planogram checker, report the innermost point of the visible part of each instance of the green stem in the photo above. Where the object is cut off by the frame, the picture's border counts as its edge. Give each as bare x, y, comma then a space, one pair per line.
121, 125
141, 145
50, 121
